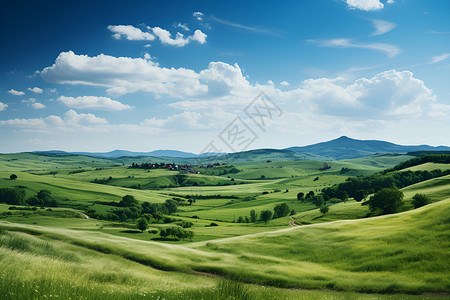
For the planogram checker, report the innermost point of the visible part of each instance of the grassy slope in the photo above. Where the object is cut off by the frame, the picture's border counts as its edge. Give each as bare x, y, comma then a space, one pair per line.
406, 252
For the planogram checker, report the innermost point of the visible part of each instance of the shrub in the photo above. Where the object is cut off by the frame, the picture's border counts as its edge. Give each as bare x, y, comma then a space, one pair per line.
420, 200
386, 201
213, 224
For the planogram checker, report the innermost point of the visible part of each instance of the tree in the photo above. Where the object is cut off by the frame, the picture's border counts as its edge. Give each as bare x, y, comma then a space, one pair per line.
360, 195
171, 206
281, 210
253, 216
241, 219
128, 201
385, 201
13, 176
323, 209
12, 196
163, 233
343, 195
157, 215
142, 224
266, 215
44, 195
300, 196
420, 200
317, 200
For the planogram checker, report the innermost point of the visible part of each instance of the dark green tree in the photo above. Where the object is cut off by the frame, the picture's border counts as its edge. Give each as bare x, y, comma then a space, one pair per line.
420, 200
265, 216
300, 196
141, 224
323, 209
253, 216
171, 206
13, 176
360, 195
128, 201
385, 201
281, 210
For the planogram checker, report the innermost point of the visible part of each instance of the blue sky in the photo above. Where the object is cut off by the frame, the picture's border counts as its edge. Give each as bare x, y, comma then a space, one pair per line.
146, 75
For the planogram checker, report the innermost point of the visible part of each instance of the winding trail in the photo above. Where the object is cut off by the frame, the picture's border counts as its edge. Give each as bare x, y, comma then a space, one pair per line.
292, 222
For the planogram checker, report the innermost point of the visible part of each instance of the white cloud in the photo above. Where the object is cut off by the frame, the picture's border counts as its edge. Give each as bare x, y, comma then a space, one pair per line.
284, 83
71, 120
93, 102
3, 106
37, 105
130, 33
199, 36
366, 5
16, 93
123, 75
183, 26
198, 15
36, 90
381, 27
387, 95
147, 46
388, 49
240, 26
166, 37
439, 58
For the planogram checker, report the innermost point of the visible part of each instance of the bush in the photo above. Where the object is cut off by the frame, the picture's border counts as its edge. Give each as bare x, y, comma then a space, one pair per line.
420, 200
213, 224
13, 176
386, 201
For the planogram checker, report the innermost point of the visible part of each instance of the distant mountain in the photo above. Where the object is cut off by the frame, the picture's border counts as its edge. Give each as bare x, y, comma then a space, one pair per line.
120, 153
340, 148
346, 148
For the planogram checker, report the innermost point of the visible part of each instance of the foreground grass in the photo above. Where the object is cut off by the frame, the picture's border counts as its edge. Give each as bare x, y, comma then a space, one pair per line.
401, 253
34, 267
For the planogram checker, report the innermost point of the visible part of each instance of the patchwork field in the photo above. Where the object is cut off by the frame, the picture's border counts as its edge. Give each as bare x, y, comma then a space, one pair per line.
81, 247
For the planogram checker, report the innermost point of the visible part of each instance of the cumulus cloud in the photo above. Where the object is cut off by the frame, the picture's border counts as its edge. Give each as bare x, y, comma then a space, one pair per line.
69, 121
123, 75
93, 102
16, 93
183, 26
3, 106
166, 37
37, 105
389, 94
381, 27
198, 15
284, 83
130, 33
36, 90
388, 49
367, 5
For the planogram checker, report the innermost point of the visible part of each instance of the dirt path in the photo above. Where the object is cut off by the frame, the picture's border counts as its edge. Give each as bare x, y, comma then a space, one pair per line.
80, 213
292, 222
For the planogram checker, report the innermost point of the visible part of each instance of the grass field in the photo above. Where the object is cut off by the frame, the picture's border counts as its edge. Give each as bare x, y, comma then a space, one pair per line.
339, 255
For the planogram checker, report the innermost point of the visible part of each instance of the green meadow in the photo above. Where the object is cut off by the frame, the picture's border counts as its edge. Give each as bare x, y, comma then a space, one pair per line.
77, 250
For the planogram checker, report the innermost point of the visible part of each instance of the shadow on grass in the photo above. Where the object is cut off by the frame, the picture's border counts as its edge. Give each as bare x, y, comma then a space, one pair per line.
131, 231
164, 240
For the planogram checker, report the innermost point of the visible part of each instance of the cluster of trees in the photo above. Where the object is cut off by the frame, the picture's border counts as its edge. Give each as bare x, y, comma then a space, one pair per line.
176, 233
129, 208
217, 170
385, 201
359, 188
435, 158
17, 196
320, 200
279, 211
